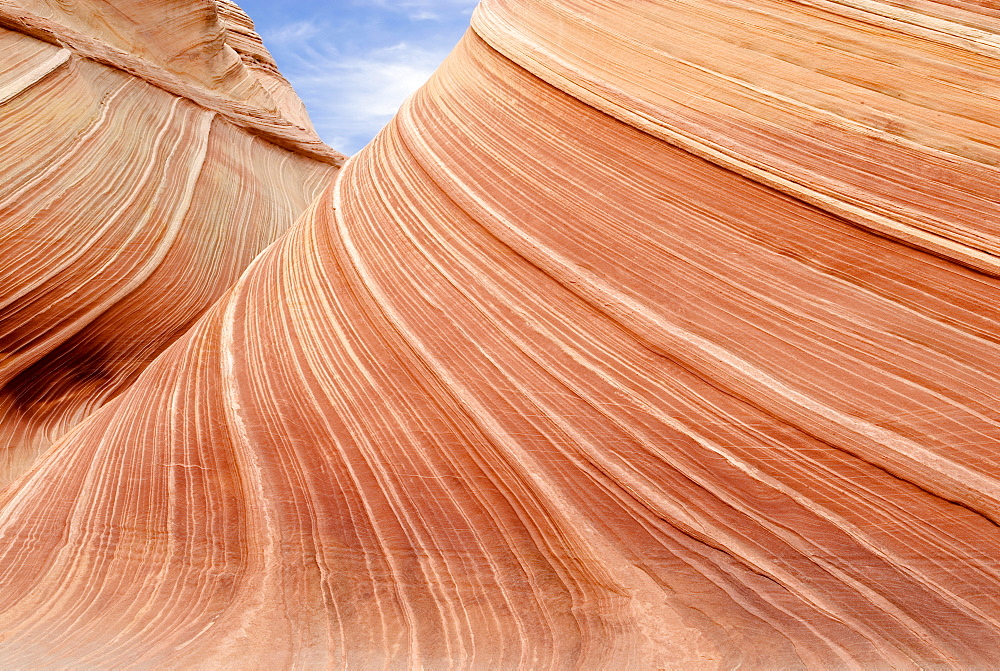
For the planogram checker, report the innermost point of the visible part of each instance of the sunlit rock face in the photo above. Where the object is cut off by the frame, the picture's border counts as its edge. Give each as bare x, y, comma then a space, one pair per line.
132, 193
648, 335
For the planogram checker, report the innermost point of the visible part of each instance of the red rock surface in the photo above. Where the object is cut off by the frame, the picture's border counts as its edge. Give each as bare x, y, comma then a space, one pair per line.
648, 335
126, 207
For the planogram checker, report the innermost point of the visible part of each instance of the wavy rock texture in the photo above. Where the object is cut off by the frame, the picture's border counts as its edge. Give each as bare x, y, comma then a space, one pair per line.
648, 335
126, 210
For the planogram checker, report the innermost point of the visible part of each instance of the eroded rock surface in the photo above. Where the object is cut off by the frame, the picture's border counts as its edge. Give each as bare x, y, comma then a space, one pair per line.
647, 335
129, 205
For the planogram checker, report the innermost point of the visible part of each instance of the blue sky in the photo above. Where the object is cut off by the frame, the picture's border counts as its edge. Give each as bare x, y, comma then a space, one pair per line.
354, 61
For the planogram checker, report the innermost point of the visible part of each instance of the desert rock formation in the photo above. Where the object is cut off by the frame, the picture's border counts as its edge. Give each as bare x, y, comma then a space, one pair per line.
141, 175
647, 335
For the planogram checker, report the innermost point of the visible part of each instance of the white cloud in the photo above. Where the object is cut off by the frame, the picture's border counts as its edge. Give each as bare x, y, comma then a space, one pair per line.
374, 86
292, 33
351, 98
425, 10
355, 69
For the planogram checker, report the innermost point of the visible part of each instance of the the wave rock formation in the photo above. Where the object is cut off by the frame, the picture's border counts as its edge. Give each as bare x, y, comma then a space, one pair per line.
647, 335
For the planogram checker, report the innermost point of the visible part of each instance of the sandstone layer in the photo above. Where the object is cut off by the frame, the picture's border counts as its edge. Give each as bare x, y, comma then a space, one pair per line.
128, 204
647, 335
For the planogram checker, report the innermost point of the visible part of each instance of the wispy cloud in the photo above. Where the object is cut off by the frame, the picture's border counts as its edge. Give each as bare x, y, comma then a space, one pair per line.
425, 10
354, 67
292, 33
352, 98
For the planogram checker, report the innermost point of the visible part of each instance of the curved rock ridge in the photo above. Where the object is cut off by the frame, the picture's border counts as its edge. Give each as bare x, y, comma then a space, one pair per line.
202, 50
853, 106
623, 346
125, 212
240, 35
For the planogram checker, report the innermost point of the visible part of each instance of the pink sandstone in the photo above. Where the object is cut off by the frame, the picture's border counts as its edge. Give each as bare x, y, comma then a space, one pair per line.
647, 335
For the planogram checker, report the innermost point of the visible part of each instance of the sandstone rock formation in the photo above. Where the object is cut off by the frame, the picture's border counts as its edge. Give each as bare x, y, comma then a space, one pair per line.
648, 335
140, 176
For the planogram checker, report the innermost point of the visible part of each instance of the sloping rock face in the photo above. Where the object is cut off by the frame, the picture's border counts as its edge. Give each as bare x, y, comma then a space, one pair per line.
132, 193
648, 335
